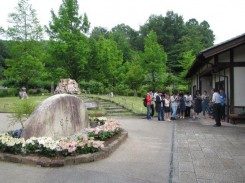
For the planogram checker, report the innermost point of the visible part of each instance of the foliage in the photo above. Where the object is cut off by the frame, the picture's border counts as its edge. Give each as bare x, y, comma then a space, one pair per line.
125, 38
8, 92
4, 54
22, 111
98, 120
107, 61
135, 75
186, 63
121, 60
25, 23
92, 86
68, 45
154, 62
17, 69
25, 51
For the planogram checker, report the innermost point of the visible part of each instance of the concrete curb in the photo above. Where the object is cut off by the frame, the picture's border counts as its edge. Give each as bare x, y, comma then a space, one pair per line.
70, 160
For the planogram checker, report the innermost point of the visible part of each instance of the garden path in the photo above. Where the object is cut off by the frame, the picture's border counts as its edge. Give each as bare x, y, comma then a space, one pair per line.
143, 158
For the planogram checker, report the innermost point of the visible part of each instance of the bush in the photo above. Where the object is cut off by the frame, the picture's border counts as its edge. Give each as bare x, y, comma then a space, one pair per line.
37, 91
10, 92
92, 86
37, 84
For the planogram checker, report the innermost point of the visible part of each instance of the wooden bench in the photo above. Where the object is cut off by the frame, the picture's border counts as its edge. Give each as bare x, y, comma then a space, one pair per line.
234, 117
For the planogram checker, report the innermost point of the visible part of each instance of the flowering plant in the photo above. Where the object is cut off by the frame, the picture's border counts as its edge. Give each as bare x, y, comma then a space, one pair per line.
106, 131
82, 143
98, 120
10, 144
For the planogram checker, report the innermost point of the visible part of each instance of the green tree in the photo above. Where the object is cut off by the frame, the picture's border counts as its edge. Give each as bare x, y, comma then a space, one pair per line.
109, 60
197, 37
169, 30
154, 62
68, 43
186, 63
135, 76
125, 38
97, 32
26, 26
25, 32
27, 69
4, 54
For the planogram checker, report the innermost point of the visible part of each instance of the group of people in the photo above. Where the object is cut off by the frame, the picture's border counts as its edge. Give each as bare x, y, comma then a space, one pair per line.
178, 105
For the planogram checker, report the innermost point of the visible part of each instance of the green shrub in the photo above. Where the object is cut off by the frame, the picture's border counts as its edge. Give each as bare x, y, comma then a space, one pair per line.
10, 92
93, 87
37, 91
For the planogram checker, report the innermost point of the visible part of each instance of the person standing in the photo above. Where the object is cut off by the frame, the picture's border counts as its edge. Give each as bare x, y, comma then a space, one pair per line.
174, 105
160, 104
167, 106
223, 99
197, 104
149, 101
188, 99
205, 105
182, 106
216, 99
153, 100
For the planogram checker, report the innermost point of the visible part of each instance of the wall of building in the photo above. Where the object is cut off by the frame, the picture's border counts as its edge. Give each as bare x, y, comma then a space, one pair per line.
239, 86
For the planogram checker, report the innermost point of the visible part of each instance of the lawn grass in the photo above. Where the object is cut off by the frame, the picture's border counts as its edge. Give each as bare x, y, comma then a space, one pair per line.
7, 103
135, 104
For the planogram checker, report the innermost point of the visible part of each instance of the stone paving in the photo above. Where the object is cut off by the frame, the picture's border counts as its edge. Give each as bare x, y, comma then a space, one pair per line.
203, 153
155, 152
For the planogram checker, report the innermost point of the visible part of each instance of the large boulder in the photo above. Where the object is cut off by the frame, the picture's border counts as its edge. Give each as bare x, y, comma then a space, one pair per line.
68, 86
58, 116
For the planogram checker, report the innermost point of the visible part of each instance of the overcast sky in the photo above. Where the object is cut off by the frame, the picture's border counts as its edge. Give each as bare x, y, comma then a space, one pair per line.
225, 17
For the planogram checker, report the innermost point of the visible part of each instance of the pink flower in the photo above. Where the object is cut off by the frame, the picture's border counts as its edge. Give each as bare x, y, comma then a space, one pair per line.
72, 146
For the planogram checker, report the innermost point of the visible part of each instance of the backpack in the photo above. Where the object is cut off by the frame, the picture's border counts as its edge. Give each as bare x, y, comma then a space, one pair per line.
145, 102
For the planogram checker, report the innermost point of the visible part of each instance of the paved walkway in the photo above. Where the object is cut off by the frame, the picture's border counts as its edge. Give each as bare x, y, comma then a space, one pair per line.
155, 152
203, 153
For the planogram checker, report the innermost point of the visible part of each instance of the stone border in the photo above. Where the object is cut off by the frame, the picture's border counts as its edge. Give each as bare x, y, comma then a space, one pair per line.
70, 160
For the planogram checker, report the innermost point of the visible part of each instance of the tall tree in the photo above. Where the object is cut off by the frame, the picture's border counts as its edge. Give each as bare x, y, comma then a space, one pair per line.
25, 31
135, 76
109, 60
26, 26
69, 45
97, 32
154, 61
186, 62
125, 37
169, 30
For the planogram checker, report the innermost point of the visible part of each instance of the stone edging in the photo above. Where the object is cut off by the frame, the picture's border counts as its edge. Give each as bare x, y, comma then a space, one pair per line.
70, 160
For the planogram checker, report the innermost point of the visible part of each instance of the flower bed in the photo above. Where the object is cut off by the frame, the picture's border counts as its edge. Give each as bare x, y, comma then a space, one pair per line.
89, 141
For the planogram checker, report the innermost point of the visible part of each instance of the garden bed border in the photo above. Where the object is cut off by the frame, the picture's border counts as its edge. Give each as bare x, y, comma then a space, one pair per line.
43, 161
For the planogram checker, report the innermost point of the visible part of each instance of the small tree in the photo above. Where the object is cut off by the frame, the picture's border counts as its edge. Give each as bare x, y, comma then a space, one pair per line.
21, 113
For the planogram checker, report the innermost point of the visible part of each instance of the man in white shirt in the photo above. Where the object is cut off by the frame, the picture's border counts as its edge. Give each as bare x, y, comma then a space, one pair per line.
216, 107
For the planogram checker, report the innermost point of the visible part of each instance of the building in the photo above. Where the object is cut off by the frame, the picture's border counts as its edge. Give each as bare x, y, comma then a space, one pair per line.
222, 66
